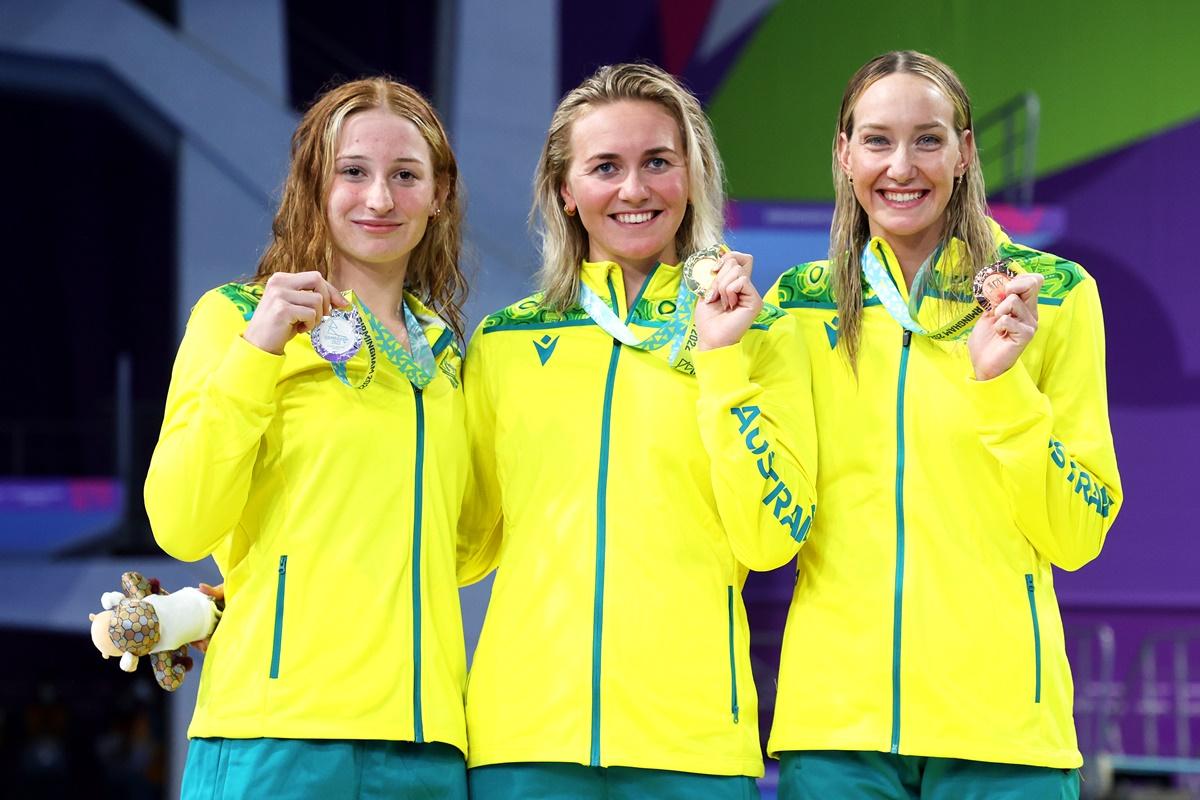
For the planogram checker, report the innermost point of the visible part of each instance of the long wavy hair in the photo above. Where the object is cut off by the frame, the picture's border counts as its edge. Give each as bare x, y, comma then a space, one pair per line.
965, 217
564, 240
300, 232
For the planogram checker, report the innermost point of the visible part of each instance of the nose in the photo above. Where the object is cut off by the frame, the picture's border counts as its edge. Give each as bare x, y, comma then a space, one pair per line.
900, 167
379, 196
633, 188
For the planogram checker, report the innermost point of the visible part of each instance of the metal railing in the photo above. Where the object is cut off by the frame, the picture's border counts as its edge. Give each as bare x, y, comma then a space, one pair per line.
1016, 123
1099, 696
1169, 695
1142, 723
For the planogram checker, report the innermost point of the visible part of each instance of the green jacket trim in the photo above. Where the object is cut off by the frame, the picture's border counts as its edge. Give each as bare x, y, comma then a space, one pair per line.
246, 296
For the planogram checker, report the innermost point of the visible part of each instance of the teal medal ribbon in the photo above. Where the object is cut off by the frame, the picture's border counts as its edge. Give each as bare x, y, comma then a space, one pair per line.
339, 367
418, 367
889, 296
673, 332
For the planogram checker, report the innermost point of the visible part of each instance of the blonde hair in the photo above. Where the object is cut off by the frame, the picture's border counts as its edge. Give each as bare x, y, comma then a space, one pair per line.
966, 213
300, 232
564, 241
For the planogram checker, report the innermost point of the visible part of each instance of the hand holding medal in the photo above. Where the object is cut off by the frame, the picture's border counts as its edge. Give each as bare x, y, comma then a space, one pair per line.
292, 303
721, 278
1010, 319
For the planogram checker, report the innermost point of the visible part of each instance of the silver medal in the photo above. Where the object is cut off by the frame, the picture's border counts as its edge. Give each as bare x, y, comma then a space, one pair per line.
339, 336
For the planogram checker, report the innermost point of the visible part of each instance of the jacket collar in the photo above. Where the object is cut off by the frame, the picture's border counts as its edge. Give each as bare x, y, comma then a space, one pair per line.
941, 261
663, 280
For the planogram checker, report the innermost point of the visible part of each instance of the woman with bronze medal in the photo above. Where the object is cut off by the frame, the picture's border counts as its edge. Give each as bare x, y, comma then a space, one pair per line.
965, 448
636, 445
314, 444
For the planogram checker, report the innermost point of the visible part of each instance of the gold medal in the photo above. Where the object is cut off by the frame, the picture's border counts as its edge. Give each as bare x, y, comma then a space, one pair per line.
701, 268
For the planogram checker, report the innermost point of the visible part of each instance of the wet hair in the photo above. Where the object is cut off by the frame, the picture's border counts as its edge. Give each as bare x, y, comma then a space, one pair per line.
301, 239
966, 213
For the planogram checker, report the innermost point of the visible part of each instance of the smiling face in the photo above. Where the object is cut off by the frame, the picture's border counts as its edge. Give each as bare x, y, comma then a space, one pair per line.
627, 178
382, 193
903, 155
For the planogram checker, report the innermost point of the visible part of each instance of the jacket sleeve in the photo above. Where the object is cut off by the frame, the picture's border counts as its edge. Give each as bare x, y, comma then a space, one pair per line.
481, 524
221, 400
1052, 437
757, 423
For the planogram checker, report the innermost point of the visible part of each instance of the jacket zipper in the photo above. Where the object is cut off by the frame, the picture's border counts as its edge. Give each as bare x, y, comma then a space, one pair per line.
1037, 641
602, 517
418, 483
733, 703
277, 642
898, 602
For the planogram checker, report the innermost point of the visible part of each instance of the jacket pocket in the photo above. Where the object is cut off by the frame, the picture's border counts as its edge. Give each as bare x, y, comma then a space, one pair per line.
1037, 641
733, 697
277, 641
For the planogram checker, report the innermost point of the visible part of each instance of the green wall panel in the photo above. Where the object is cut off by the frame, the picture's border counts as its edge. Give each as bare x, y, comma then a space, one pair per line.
1107, 73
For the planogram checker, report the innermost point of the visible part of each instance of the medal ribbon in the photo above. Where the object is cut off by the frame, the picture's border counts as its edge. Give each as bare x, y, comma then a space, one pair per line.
419, 367
877, 276
339, 367
674, 331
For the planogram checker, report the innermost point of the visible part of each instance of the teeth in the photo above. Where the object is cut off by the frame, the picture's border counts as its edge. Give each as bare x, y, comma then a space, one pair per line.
643, 216
901, 197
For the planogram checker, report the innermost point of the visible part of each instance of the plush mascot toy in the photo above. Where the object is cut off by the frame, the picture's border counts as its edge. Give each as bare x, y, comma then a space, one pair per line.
144, 620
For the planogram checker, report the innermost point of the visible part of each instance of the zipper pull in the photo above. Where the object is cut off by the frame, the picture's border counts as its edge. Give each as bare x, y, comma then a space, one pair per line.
907, 338
1029, 583
282, 564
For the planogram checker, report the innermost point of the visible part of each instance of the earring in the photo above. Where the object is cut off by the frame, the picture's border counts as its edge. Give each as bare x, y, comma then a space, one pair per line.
570, 212
849, 179
437, 212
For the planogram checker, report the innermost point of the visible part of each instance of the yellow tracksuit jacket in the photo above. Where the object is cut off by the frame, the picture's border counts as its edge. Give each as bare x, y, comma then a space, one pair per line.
623, 501
331, 513
924, 620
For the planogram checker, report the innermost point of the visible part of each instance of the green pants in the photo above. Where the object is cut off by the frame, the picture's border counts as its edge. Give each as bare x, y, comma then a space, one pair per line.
283, 769
549, 781
855, 775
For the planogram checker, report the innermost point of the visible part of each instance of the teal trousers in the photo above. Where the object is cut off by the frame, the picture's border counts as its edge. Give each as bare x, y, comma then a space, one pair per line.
552, 781
855, 775
302, 769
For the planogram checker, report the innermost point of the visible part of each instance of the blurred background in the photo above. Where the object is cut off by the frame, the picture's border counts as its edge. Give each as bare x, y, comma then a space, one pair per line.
155, 133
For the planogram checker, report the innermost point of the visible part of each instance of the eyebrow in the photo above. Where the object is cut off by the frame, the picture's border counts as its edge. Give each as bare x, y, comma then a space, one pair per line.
653, 151
923, 127
401, 160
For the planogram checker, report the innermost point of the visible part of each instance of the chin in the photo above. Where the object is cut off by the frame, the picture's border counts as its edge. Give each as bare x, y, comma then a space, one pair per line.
891, 226
651, 250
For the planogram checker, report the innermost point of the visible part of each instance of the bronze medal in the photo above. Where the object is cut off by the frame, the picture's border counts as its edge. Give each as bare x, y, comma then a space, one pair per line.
991, 284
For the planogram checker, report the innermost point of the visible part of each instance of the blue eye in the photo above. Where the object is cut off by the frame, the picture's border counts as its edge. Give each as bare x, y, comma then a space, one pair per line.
606, 168
875, 141
929, 140
657, 163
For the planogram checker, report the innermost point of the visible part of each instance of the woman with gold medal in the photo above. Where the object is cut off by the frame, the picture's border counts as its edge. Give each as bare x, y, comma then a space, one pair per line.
313, 444
965, 449
637, 443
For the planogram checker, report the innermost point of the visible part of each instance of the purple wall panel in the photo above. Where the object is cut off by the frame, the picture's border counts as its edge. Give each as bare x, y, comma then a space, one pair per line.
1131, 223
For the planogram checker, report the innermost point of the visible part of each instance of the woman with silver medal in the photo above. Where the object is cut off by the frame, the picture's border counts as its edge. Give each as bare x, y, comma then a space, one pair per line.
965, 449
313, 444
636, 446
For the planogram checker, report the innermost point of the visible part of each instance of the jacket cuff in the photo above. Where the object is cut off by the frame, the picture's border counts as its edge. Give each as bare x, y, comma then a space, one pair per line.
1006, 401
722, 371
248, 373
